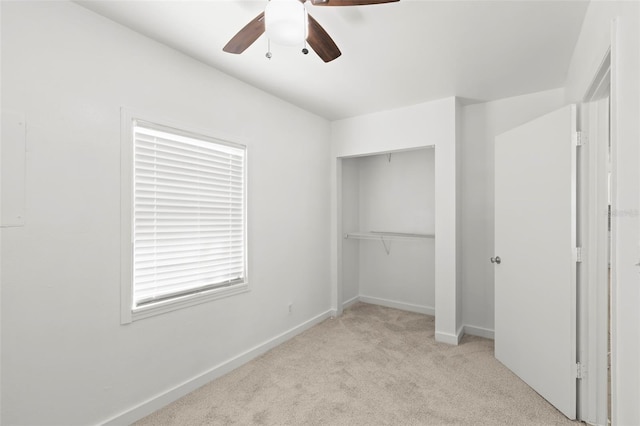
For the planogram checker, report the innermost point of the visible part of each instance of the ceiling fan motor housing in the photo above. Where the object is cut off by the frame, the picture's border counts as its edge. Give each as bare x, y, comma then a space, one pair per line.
286, 22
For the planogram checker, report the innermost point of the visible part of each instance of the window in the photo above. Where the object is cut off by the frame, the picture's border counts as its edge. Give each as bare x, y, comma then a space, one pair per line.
187, 217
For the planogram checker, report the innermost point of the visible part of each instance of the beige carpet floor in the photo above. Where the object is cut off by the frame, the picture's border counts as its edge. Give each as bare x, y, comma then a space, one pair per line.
372, 366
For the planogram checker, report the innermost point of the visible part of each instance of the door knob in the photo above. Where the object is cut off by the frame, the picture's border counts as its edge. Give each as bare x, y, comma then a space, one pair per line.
496, 260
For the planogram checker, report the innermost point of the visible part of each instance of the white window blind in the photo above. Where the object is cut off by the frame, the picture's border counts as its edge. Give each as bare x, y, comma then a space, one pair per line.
188, 215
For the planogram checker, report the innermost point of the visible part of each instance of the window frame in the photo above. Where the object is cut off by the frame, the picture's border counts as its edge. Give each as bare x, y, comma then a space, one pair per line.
130, 313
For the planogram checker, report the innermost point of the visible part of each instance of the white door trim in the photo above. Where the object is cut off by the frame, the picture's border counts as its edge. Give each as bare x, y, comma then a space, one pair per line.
593, 292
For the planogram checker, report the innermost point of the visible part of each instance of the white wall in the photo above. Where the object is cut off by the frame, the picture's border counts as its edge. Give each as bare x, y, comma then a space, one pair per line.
1, 221
459, 209
617, 24
397, 193
393, 195
416, 126
350, 222
481, 123
65, 357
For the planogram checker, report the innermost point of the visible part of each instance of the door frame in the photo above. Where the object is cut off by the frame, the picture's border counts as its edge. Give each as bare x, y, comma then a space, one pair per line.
593, 299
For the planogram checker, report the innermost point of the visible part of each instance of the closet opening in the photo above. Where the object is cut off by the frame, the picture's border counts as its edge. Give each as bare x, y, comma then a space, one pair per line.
387, 230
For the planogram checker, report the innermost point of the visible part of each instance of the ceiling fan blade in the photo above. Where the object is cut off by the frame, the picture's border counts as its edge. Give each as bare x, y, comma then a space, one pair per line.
349, 2
246, 36
321, 42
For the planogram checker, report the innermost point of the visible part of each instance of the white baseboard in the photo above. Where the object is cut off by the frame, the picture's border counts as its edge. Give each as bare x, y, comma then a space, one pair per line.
448, 338
160, 400
427, 310
350, 302
479, 331
452, 339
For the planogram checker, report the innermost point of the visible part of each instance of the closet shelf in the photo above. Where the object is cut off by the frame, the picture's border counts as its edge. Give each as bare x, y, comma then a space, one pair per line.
386, 236
379, 235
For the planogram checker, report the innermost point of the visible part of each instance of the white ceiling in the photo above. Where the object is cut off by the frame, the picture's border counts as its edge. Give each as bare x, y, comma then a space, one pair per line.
393, 55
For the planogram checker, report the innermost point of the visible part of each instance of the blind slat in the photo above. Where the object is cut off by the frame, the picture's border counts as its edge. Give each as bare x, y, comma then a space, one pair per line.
156, 151
168, 261
170, 273
176, 245
182, 282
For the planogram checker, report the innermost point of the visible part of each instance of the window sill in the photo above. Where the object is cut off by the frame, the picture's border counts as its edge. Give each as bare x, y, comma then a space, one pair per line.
183, 302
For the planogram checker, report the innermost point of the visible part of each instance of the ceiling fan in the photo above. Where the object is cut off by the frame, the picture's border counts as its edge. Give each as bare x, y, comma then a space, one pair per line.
287, 22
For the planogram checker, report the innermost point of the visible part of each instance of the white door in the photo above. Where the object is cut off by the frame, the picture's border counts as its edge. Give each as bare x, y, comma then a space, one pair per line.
535, 239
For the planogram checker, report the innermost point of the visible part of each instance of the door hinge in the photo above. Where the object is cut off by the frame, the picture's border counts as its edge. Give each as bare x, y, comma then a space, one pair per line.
581, 370
578, 139
578, 254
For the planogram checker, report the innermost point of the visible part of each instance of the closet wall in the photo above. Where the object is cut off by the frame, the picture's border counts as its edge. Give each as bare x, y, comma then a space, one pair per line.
390, 193
350, 222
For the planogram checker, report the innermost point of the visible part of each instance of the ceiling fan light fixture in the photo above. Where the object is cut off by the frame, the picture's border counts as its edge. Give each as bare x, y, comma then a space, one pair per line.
286, 22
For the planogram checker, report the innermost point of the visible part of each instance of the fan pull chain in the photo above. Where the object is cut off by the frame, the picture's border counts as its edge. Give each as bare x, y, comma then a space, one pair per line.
268, 55
306, 31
